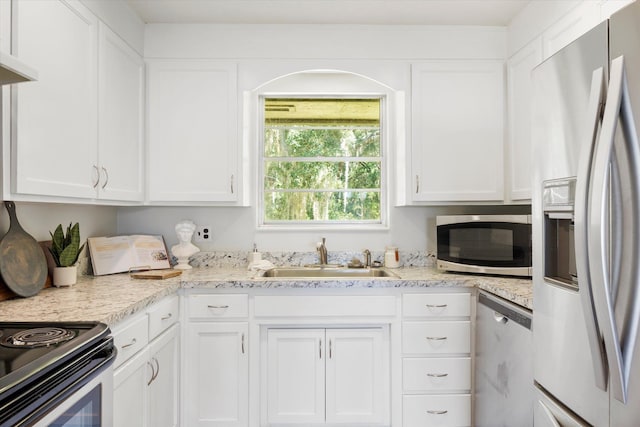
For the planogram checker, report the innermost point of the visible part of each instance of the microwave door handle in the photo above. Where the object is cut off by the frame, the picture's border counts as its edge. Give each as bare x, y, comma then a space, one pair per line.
598, 236
596, 100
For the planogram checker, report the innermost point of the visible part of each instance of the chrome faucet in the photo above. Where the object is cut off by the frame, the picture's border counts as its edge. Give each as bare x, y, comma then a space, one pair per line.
322, 252
367, 258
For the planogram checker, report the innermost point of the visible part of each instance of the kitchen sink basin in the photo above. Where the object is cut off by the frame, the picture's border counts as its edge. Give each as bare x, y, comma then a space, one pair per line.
326, 272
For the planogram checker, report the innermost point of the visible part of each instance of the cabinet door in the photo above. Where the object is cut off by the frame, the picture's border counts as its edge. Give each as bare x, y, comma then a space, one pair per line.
216, 381
129, 391
295, 376
357, 376
520, 92
54, 142
163, 388
457, 131
120, 115
193, 133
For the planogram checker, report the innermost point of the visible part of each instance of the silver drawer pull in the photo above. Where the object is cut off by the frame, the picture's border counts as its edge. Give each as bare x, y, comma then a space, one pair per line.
133, 341
218, 306
436, 338
432, 412
437, 375
167, 317
436, 305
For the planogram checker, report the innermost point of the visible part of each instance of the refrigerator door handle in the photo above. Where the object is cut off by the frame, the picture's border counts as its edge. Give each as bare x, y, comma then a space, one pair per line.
585, 284
603, 264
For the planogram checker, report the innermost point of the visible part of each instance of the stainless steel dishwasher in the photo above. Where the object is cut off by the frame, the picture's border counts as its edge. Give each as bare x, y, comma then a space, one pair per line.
504, 393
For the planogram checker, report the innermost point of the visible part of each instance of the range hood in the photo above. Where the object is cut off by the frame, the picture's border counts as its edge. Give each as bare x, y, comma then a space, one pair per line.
12, 70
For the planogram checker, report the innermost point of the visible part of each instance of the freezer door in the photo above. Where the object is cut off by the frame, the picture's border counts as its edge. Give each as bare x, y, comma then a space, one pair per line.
563, 359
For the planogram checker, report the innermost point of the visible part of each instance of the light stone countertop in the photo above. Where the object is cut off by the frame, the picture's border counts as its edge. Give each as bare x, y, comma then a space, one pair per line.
112, 298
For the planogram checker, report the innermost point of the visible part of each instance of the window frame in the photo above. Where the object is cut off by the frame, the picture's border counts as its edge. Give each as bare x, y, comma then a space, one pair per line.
384, 165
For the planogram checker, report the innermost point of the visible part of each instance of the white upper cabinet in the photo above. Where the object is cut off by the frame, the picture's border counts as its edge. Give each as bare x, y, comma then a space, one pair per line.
121, 119
78, 129
571, 26
193, 143
54, 140
457, 131
519, 68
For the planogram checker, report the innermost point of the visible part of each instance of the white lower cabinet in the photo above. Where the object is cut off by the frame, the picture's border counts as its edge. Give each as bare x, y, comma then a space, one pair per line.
436, 362
146, 376
444, 410
163, 385
216, 376
328, 376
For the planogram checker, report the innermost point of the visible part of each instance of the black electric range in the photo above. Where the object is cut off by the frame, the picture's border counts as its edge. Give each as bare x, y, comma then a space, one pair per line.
41, 363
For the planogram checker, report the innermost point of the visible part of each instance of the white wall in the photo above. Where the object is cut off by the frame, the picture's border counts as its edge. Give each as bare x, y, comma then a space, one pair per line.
412, 228
39, 218
264, 52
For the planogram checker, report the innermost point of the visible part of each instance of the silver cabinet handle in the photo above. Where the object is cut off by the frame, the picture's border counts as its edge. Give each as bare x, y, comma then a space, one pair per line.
417, 184
153, 373
157, 370
95, 184
231, 184
320, 349
330, 349
242, 343
167, 317
436, 305
133, 341
437, 375
434, 412
106, 177
436, 338
218, 306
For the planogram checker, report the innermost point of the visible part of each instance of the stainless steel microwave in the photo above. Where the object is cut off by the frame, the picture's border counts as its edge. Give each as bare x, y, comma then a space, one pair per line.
488, 244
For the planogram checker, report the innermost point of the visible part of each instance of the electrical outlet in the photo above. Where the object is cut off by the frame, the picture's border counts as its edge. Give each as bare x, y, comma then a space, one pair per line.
203, 233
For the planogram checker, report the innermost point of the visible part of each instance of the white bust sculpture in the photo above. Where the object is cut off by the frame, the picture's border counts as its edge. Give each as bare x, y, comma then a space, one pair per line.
184, 249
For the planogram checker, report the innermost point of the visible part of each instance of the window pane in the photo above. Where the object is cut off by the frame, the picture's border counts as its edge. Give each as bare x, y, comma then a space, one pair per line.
306, 142
322, 160
321, 175
322, 206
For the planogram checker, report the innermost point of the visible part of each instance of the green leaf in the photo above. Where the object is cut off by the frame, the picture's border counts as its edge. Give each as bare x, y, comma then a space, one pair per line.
65, 249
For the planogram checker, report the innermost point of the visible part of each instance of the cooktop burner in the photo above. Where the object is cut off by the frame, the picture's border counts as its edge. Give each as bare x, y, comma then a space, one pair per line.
38, 337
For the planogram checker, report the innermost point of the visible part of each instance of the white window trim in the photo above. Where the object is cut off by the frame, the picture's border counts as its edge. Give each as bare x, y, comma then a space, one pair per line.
330, 84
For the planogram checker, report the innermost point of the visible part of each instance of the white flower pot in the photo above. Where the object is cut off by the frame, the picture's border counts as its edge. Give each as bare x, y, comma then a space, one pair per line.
65, 276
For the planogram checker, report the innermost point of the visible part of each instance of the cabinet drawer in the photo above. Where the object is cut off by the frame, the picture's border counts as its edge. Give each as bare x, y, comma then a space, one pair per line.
436, 410
436, 337
162, 315
131, 338
436, 305
436, 374
218, 306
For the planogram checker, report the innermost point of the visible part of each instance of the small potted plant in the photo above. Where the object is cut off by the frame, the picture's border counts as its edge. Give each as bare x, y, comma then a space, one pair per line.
65, 249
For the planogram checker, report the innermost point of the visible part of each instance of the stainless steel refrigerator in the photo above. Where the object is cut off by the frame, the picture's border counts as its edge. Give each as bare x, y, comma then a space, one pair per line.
586, 228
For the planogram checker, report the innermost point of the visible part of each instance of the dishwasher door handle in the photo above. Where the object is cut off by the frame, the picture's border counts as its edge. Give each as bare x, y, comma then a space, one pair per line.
500, 318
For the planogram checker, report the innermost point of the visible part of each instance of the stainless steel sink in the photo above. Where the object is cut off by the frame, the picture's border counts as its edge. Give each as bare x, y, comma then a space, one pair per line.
327, 272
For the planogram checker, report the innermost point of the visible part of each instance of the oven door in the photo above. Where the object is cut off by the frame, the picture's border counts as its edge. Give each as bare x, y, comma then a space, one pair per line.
77, 393
90, 406
494, 244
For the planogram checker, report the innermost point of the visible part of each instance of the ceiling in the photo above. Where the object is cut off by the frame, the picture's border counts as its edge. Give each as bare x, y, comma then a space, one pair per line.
363, 12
